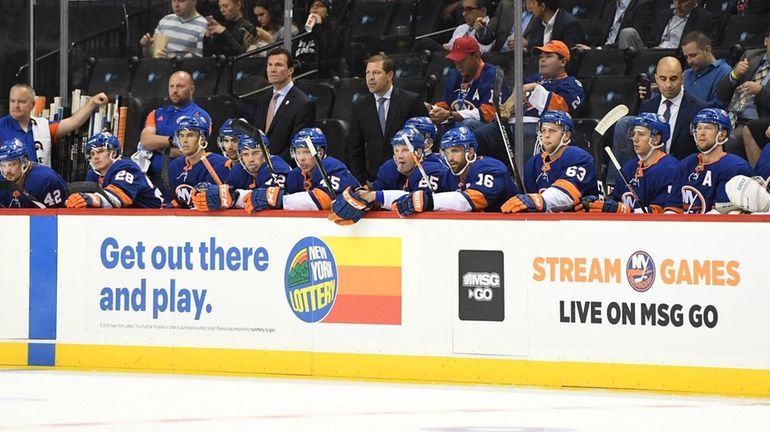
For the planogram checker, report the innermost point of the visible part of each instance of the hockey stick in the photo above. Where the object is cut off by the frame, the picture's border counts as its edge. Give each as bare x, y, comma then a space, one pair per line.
601, 128
245, 128
628, 185
314, 152
496, 99
417, 161
9, 185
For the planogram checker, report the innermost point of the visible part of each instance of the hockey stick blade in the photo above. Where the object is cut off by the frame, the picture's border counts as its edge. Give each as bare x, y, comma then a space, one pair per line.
628, 185
245, 128
611, 118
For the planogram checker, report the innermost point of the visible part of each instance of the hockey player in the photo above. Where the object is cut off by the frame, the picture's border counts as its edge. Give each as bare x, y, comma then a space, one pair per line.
395, 178
123, 183
560, 175
197, 166
472, 182
650, 176
305, 187
227, 140
251, 173
428, 130
699, 186
38, 182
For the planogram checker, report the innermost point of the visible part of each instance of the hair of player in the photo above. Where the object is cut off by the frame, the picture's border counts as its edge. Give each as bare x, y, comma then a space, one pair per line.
388, 65
701, 39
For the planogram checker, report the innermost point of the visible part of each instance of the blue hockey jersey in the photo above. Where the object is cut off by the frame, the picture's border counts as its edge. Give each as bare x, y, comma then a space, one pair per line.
697, 187
339, 176
239, 178
651, 183
573, 173
43, 184
390, 178
129, 184
486, 185
184, 176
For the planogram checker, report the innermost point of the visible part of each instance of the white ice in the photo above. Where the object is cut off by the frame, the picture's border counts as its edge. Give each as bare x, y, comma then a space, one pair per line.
48, 400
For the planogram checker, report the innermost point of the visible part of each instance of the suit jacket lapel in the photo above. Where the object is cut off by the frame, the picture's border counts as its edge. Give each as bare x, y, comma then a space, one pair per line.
391, 114
682, 118
285, 104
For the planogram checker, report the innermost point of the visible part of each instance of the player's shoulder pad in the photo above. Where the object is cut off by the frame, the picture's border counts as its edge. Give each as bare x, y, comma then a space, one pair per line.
578, 155
488, 165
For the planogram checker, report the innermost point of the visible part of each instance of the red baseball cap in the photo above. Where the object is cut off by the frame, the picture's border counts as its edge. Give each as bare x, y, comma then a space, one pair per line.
555, 46
462, 47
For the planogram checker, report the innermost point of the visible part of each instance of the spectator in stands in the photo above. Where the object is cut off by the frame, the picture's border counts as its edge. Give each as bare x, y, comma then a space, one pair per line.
30, 130
756, 135
671, 25
179, 34
160, 126
749, 7
500, 29
269, 27
467, 98
550, 89
550, 22
677, 106
376, 118
625, 14
746, 94
330, 39
475, 16
229, 38
705, 70
287, 109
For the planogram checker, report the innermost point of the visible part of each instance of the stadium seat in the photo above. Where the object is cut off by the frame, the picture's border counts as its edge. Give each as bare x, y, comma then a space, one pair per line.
337, 133
502, 59
596, 62
369, 20
438, 89
427, 19
351, 91
584, 9
439, 65
111, 76
321, 92
749, 31
408, 65
417, 85
646, 61
402, 17
205, 73
151, 77
719, 7
593, 28
608, 92
586, 83
245, 75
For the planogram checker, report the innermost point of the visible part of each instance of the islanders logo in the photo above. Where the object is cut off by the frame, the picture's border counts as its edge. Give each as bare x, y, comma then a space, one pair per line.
311, 279
640, 271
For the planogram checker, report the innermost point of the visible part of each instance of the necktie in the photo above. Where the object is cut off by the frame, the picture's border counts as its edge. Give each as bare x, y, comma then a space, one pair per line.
667, 111
271, 111
741, 97
381, 113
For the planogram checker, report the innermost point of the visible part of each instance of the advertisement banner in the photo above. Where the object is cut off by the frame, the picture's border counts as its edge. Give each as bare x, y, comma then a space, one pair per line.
14, 284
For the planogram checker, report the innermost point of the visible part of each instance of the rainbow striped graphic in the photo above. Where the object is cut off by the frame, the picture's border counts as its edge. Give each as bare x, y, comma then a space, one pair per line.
369, 287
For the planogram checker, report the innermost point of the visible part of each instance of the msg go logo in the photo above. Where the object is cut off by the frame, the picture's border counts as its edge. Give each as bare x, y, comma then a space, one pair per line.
480, 285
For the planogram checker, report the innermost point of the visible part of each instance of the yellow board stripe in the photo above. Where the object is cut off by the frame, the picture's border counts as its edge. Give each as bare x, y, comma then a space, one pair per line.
13, 353
365, 251
679, 379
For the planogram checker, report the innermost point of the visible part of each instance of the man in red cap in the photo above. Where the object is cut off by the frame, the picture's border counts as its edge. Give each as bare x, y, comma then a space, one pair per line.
467, 99
551, 89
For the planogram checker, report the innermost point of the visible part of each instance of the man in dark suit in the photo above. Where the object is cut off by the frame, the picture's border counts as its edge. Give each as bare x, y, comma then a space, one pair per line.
287, 109
550, 22
638, 14
671, 25
499, 30
377, 117
674, 103
746, 93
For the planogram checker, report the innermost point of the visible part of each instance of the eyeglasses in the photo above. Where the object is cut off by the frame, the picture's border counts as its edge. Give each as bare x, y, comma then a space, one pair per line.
467, 9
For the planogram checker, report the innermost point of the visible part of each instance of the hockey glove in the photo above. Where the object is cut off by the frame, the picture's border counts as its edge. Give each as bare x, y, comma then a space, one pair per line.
596, 204
83, 200
264, 198
524, 203
348, 208
211, 197
415, 202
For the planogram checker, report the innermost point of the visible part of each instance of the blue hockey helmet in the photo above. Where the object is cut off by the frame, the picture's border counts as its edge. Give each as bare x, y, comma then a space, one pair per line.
716, 116
316, 136
196, 123
557, 117
226, 130
247, 143
459, 136
102, 140
409, 133
12, 149
655, 123
424, 125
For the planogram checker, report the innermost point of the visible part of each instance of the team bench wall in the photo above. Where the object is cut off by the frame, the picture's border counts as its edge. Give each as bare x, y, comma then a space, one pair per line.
654, 303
